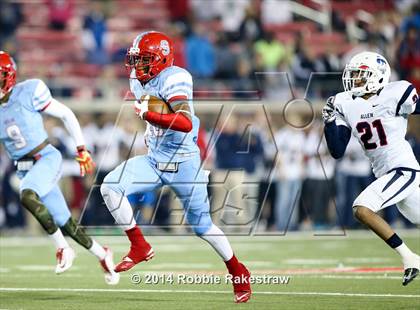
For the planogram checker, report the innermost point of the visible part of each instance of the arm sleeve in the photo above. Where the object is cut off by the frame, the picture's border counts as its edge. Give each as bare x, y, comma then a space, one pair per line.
41, 97
174, 121
337, 139
59, 110
177, 88
408, 102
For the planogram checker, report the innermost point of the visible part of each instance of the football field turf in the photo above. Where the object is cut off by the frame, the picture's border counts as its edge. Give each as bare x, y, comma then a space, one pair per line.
356, 271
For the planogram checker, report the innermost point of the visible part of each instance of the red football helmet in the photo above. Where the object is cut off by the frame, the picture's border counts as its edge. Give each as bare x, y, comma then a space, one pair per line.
150, 53
8, 73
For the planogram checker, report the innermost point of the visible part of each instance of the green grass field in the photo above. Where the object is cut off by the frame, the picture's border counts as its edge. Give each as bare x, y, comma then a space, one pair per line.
357, 271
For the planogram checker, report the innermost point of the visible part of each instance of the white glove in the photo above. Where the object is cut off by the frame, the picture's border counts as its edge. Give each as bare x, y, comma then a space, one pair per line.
142, 106
329, 111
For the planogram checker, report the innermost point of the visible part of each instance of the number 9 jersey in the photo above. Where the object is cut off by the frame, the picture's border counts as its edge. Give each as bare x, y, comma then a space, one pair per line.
380, 124
21, 123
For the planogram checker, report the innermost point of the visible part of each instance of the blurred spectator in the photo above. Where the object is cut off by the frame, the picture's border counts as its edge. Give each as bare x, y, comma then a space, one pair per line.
353, 176
119, 52
244, 83
330, 83
251, 151
228, 176
408, 53
331, 59
337, 22
289, 173
179, 10
414, 75
226, 59
317, 188
176, 32
413, 137
95, 35
10, 18
413, 20
239, 154
251, 154
200, 53
269, 52
385, 25
251, 28
59, 13
304, 64
267, 192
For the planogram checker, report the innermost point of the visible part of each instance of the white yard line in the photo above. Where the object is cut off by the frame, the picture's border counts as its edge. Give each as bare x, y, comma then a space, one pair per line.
351, 277
11, 241
97, 290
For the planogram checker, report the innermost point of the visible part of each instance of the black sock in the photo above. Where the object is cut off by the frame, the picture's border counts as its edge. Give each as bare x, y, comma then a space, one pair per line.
394, 241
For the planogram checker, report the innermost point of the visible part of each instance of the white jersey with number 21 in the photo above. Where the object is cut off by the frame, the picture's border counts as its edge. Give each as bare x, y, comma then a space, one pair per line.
380, 125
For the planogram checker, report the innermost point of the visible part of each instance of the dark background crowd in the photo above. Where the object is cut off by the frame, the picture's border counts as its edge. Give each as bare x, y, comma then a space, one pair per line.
240, 50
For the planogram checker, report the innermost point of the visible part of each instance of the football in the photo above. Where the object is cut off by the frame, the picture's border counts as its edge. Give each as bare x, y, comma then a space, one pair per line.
157, 105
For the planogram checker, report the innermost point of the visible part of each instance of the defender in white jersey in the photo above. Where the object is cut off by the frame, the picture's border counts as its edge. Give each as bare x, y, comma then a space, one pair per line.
38, 163
376, 112
173, 158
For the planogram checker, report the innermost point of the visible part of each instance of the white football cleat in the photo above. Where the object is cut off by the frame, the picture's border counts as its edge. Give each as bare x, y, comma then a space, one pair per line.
65, 257
411, 268
107, 264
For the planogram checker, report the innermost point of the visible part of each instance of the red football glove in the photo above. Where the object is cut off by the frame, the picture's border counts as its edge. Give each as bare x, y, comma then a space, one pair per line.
87, 165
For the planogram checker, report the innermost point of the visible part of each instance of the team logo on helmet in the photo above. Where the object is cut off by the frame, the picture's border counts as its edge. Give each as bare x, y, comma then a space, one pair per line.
381, 61
381, 64
164, 45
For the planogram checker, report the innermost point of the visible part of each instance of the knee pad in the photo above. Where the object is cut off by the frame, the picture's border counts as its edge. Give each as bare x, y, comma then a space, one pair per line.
77, 233
31, 201
200, 223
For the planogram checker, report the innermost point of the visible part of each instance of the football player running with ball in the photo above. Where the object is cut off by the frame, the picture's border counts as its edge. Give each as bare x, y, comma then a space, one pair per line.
38, 163
173, 157
375, 112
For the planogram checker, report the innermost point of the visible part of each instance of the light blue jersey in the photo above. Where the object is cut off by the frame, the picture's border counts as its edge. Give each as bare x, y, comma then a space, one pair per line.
21, 124
142, 174
173, 85
22, 130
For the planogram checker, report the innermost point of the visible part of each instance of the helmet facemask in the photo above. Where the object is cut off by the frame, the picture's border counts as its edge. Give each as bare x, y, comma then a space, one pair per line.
143, 63
360, 80
7, 80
